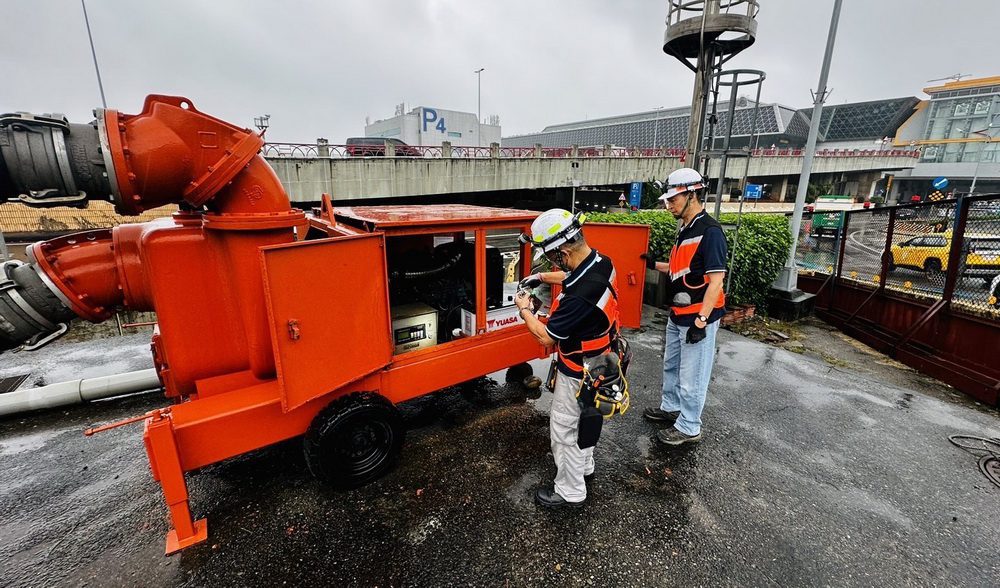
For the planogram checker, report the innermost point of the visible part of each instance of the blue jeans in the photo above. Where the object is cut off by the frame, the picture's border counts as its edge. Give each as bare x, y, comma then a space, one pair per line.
687, 368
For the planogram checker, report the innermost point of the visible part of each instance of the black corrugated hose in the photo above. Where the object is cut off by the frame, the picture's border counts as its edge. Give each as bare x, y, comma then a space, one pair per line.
987, 449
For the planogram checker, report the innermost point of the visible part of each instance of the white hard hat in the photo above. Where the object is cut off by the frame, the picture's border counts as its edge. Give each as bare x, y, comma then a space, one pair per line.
554, 227
681, 180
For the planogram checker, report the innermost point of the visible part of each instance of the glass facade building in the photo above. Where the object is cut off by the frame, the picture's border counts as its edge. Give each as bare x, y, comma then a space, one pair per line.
958, 127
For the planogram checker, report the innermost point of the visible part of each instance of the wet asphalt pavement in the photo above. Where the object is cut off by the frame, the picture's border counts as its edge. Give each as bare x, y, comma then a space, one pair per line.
809, 474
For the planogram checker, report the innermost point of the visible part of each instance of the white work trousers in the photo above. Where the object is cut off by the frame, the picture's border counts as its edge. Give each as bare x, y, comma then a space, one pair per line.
572, 463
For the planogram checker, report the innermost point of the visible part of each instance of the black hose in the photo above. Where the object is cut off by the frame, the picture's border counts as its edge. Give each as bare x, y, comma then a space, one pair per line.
986, 448
433, 272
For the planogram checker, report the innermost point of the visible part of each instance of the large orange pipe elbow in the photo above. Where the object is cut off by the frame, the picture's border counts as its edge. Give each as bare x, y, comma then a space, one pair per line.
83, 271
168, 153
171, 152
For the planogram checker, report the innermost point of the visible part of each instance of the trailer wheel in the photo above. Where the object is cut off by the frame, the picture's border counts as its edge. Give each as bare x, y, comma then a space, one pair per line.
517, 373
354, 441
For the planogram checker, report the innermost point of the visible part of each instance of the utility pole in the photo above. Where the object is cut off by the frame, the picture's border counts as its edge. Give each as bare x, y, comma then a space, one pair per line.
788, 278
479, 106
93, 53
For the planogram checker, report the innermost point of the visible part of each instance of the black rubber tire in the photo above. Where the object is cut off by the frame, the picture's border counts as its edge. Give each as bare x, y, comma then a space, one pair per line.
354, 441
932, 268
517, 373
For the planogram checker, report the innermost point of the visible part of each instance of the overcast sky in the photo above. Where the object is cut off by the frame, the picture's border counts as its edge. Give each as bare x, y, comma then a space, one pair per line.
320, 67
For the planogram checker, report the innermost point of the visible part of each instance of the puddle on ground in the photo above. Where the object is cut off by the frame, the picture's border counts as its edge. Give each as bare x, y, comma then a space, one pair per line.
28, 442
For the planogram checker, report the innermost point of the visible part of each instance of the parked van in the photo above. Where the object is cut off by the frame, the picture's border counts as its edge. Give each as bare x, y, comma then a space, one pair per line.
375, 147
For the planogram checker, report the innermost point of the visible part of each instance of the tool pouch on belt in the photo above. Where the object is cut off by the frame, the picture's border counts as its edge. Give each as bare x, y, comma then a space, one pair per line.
624, 351
589, 430
603, 393
550, 379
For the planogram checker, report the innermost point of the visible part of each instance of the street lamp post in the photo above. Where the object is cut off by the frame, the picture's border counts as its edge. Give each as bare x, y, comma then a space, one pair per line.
479, 106
788, 278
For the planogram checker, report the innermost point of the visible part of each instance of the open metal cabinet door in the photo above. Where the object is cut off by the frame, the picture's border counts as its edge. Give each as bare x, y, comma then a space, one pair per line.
328, 305
623, 244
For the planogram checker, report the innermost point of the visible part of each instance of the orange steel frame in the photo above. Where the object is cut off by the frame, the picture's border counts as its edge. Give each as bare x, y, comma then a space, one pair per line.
223, 425
226, 346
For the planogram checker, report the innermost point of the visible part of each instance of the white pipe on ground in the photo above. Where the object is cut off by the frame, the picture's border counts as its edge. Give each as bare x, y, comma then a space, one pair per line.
77, 391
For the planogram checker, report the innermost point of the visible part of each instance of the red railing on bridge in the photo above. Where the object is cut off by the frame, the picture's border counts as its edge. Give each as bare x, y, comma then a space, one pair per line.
323, 150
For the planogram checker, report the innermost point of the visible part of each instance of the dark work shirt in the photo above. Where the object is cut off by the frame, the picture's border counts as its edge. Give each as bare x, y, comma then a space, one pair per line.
575, 319
712, 256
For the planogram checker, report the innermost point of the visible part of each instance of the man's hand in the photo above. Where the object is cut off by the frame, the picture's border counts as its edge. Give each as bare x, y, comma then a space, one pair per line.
650, 258
522, 300
695, 334
532, 281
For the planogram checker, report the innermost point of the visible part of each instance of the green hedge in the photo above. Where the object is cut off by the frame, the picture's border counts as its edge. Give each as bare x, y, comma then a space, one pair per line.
763, 248
662, 225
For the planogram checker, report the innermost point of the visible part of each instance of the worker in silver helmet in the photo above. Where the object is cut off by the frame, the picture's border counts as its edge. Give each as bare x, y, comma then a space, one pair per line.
696, 268
583, 325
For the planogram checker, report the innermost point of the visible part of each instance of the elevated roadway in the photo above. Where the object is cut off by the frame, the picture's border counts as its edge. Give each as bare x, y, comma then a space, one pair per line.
310, 170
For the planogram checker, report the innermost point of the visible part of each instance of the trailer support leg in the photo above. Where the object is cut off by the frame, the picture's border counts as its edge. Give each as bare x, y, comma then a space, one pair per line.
166, 464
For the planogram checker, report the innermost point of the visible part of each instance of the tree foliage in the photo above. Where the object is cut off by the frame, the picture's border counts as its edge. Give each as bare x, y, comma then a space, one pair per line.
764, 242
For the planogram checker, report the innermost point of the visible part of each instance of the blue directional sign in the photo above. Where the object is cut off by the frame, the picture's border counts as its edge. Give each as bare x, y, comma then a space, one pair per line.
753, 192
940, 183
635, 195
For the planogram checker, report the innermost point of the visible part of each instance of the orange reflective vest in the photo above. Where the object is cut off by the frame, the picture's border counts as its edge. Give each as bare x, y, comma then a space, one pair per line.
683, 278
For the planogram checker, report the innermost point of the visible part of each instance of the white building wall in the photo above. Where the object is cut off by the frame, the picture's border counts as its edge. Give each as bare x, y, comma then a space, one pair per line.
430, 126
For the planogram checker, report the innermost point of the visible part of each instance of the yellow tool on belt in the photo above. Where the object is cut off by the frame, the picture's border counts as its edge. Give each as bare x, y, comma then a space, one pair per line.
604, 384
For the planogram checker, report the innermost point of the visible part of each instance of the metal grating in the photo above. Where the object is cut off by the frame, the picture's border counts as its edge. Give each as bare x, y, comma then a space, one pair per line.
10, 384
668, 128
864, 120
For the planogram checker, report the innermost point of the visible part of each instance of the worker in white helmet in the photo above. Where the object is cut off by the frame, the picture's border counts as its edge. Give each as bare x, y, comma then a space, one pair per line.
582, 325
696, 268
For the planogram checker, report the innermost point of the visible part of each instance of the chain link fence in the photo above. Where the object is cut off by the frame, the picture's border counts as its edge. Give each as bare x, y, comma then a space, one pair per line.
933, 251
818, 248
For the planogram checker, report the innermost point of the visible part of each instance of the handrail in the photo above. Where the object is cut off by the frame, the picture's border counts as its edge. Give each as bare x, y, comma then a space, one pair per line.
324, 150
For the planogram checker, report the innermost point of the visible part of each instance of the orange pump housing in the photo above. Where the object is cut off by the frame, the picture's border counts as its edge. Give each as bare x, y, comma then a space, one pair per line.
250, 312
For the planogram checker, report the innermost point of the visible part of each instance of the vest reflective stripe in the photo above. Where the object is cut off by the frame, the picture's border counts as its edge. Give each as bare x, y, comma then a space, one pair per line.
569, 362
597, 344
681, 256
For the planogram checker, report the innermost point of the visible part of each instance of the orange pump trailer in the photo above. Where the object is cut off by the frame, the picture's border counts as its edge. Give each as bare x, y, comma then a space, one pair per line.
264, 334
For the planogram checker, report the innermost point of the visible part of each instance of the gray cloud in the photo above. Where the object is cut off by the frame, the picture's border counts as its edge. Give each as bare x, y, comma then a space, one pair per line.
319, 68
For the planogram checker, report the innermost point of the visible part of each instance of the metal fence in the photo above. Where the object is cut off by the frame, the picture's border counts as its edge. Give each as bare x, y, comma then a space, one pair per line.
921, 280
325, 150
946, 250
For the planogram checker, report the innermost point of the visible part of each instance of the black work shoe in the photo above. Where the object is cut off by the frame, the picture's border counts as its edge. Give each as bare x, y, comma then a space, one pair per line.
658, 415
588, 478
548, 498
673, 437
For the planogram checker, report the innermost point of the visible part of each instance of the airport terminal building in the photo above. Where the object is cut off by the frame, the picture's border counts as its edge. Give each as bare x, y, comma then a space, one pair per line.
951, 129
